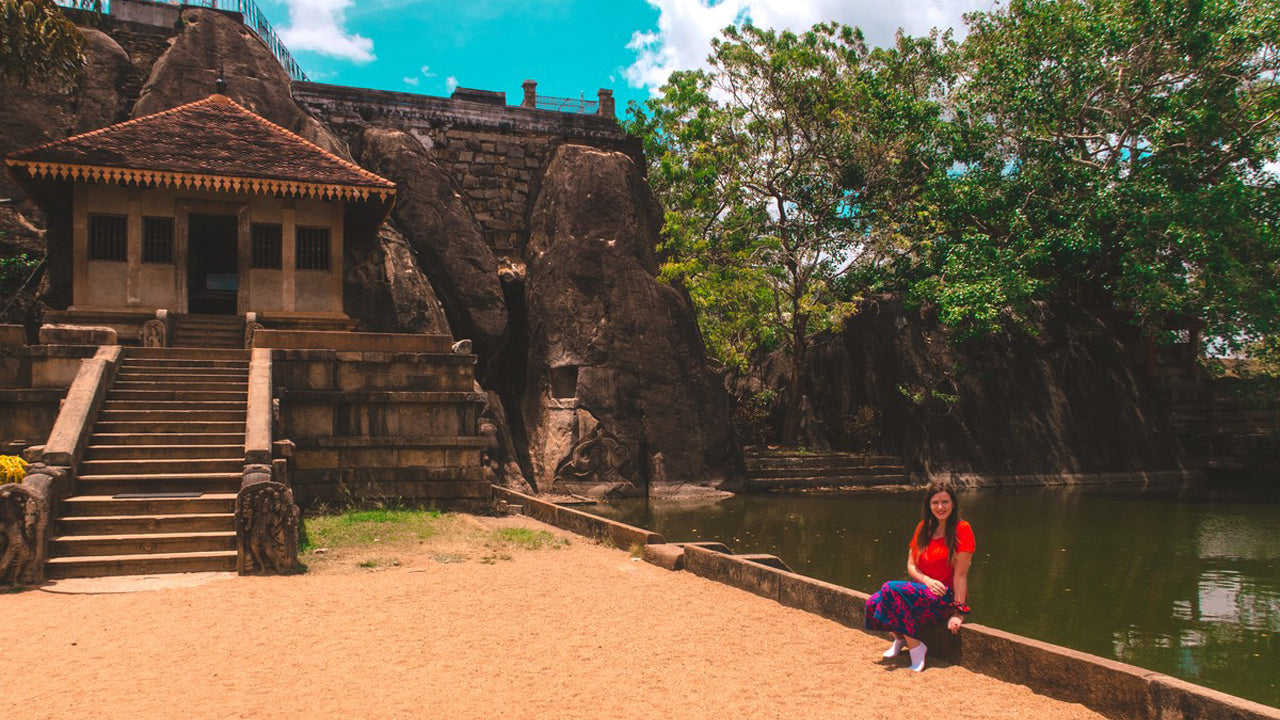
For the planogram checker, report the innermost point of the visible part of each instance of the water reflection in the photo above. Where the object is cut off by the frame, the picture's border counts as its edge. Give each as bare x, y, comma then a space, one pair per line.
1185, 583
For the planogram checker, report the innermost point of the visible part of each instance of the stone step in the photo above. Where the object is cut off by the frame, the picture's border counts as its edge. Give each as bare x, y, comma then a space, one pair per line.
185, 395
97, 566
151, 354
163, 451
826, 472
203, 482
191, 424
183, 365
802, 461
831, 482
107, 505
162, 466
117, 405
150, 523
143, 544
170, 438
162, 419
192, 381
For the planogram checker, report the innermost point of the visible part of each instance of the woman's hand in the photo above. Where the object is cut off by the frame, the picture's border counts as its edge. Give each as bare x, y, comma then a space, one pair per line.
954, 623
937, 587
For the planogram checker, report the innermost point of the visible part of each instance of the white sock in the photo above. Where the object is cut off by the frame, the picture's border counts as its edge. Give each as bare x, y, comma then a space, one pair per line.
895, 648
917, 657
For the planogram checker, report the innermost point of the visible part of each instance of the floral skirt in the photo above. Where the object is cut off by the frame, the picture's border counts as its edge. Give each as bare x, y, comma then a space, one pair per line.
904, 607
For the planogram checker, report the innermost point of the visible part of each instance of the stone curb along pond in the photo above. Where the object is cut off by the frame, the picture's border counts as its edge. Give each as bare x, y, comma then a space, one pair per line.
1115, 689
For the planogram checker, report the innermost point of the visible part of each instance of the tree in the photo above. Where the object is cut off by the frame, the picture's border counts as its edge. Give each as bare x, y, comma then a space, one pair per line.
38, 43
772, 167
1115, 146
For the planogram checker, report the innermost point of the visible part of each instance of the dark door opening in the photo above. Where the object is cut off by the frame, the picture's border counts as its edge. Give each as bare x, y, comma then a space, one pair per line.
212, 273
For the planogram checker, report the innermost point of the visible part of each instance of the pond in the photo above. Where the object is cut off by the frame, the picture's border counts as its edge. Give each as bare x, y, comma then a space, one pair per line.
1185, 581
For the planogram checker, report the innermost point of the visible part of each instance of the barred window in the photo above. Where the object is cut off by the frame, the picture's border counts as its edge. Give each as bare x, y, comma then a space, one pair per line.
157, 240
266, 246
108, 237
312, 249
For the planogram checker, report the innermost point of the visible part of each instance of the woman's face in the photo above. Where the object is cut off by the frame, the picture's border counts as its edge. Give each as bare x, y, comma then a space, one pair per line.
940, 504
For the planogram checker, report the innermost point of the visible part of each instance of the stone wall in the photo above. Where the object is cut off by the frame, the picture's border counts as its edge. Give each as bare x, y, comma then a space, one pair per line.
33, 381
497, 152
368, 425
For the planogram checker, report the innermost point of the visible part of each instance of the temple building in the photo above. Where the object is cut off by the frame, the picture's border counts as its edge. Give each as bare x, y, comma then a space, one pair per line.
204, 209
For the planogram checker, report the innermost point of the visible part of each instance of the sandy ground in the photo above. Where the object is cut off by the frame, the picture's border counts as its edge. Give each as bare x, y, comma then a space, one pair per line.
581, 631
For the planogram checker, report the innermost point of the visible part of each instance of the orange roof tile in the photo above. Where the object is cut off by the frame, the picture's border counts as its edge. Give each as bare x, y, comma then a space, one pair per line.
212, 143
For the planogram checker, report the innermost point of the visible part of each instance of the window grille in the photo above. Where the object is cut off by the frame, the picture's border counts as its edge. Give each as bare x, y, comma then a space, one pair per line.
109, 237
157, 240
266, 246
312, 248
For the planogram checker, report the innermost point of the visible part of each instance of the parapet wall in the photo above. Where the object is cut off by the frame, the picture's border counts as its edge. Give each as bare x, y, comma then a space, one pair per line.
496, 152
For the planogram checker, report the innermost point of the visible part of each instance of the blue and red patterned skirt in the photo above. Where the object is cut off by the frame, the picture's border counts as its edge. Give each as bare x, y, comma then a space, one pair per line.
904, 607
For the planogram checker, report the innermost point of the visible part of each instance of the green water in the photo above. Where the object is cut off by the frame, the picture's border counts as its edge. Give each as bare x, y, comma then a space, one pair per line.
1184, 582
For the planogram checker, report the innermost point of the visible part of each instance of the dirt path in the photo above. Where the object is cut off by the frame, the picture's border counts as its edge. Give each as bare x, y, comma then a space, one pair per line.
580, 631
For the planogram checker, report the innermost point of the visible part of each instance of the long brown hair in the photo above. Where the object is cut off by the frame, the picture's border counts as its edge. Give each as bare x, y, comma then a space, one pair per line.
931, 522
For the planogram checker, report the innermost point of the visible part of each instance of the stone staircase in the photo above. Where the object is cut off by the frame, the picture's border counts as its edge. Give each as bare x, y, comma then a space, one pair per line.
208, 331
789, 470
158, 482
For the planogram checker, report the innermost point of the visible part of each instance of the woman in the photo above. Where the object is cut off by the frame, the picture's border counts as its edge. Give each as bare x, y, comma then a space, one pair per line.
938, 562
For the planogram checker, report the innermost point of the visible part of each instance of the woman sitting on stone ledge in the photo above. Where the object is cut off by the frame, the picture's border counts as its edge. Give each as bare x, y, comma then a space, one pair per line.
938, 562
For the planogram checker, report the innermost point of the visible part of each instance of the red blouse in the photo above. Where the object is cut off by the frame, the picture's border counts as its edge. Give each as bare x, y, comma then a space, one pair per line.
933, 560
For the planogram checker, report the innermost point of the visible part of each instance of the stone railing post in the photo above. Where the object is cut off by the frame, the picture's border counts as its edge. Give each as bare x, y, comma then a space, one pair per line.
251, 326
266, 516
606, 103
27, 507
530, 94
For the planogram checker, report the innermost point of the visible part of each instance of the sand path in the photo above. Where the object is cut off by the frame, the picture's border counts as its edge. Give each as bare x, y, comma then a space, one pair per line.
576, 632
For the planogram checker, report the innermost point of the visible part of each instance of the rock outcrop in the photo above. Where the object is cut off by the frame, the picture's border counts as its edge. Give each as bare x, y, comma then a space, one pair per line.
386, 291
1037, 407
443, 234
618, 398
213, 44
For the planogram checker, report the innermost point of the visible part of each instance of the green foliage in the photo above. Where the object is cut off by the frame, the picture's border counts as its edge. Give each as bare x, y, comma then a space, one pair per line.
528, 539
14, 272
38, 43
1113, 151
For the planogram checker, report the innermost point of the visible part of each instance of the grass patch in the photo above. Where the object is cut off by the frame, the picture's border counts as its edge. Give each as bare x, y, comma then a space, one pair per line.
528, 539
379, 525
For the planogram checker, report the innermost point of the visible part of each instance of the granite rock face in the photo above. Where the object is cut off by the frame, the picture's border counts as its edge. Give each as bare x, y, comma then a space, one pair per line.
895, 381
211, 42
443, 234
42, 113
386, 291
617, 398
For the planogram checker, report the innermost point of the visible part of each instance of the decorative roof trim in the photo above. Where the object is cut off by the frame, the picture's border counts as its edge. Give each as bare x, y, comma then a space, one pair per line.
199, 181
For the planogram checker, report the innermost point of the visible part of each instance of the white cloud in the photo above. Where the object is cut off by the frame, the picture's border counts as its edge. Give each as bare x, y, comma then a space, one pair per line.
426, 71
450, 84
410, 81
319, 26
682, 40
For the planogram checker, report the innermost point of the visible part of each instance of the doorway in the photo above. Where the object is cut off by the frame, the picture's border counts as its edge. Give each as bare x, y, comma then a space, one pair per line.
213, 277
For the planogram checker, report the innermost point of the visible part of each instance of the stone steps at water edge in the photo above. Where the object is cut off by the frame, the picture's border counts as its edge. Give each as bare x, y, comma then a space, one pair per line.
828, 472
776, 469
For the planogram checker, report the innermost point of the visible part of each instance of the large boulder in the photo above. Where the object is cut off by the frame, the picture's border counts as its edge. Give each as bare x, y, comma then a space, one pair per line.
386, 291
41, 113
618, 398
444, 236
213, 43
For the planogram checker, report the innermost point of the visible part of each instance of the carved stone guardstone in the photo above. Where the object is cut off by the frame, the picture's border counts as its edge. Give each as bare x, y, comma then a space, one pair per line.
266, 524
24, 522
155, 332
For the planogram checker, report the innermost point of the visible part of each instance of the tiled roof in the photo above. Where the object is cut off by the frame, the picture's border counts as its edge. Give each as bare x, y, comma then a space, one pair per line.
212, 143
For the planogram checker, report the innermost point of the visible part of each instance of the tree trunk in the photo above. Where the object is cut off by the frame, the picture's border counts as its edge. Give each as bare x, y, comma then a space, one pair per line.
795, 389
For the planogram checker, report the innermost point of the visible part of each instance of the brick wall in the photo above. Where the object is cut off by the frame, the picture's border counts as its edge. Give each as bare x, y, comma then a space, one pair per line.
496, 152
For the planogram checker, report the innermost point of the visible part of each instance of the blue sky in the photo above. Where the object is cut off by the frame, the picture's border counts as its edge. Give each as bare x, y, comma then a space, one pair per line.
570, 47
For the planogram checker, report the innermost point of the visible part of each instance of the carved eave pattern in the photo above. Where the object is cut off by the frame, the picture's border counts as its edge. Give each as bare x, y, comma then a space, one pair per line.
199, 181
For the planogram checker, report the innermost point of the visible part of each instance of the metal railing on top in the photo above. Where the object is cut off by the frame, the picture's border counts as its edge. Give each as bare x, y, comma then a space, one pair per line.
254, 19
582, 106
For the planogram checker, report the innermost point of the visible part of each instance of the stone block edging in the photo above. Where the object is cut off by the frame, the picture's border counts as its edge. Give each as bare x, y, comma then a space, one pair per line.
575, 521
1115, 689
